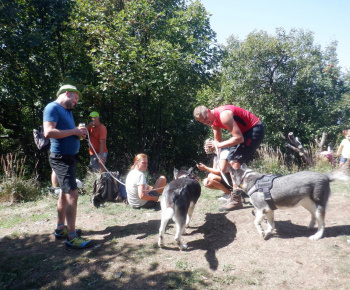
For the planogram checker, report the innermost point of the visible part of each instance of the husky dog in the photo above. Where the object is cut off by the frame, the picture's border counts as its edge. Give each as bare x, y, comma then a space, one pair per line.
306, 188
178, 201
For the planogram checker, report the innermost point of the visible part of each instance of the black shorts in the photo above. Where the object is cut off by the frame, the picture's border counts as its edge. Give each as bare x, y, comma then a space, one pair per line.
65, 167
229, 179
243, 152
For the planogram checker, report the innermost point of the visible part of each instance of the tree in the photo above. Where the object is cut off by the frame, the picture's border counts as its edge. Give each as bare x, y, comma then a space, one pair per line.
151, 57
281, 79
38, 52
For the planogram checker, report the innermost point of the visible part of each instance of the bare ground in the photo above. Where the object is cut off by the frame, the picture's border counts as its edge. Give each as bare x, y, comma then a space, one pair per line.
225, 251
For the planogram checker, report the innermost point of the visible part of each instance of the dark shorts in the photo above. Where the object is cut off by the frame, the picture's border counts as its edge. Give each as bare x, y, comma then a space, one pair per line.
149, 203
244, 152
229, 179
65, 167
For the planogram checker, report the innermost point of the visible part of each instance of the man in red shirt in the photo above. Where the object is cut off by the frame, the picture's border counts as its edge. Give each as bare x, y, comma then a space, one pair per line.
247, 134
98, 136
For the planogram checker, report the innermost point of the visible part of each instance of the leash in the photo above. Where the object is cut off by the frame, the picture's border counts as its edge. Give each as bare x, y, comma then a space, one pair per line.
218, 163
98, 157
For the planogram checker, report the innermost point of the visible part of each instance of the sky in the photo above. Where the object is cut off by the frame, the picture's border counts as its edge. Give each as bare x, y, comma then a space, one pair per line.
328, 20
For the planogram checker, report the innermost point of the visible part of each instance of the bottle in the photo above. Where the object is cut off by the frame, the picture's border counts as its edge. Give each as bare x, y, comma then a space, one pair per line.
207, 149
81, 125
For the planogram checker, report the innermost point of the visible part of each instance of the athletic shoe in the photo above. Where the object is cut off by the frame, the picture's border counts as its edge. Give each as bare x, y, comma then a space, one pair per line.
78, 243
63, 234
224, 197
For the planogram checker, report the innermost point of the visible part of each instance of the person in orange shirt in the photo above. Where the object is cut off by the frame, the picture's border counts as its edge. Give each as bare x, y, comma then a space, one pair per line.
98, 137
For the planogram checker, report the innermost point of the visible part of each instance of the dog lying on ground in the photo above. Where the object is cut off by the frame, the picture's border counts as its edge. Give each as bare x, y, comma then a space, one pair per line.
306, 188
178, 201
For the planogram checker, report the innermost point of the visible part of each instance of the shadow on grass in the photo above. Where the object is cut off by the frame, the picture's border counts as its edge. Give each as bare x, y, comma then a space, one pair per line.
288, 230
38, 261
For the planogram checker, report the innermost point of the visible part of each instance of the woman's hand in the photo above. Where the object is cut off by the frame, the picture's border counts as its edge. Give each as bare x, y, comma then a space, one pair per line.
201, 167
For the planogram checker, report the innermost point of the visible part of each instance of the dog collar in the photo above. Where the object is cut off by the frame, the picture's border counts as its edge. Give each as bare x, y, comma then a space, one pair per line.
244, 176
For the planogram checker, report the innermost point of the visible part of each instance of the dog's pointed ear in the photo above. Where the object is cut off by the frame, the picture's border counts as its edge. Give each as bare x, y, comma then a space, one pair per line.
175, 173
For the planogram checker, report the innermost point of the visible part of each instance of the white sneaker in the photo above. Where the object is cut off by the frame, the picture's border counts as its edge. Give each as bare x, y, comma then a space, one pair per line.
225, 197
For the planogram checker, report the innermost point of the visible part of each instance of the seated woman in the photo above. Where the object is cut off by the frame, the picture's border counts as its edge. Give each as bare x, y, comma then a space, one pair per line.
141, 195
214, 179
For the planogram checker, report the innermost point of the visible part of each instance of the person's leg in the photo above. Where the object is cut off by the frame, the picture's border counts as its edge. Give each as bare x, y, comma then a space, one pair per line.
61, 209
160, 184
71, 209
215, 181
54, 180
95, 165
103, 164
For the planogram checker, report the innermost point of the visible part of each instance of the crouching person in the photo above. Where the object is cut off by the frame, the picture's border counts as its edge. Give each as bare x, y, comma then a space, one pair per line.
141, 195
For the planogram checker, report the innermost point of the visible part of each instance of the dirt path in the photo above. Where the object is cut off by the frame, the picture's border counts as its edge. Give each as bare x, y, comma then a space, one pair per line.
225, 251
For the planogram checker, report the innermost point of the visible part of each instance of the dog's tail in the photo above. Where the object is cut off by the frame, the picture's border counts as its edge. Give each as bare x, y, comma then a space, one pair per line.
343, 173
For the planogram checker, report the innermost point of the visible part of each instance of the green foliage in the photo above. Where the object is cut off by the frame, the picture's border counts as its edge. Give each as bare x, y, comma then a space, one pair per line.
282, 79
15, 186
151, 58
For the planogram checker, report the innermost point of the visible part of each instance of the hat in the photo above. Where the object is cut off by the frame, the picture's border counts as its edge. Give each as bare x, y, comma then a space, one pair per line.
68, 88
94, 114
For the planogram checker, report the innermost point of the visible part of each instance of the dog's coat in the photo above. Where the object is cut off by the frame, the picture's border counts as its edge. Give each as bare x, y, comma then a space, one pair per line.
306, 188
178, 201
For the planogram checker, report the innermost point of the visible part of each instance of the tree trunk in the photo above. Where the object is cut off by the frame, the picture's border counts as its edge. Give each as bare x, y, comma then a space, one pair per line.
296, 146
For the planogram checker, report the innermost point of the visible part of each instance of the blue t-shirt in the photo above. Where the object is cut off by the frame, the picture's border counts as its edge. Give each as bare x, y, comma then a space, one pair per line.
64, 120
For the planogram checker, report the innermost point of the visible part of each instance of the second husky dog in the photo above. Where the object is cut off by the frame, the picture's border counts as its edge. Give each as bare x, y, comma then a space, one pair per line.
306, 188
178, 201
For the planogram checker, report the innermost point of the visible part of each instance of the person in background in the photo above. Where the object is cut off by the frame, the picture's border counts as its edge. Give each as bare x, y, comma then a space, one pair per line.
59, 127
141, 195
98, 137
344, 148
247, 134
215, 179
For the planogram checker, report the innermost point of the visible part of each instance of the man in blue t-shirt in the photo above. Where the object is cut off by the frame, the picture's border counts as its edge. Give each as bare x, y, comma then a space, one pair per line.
59, 127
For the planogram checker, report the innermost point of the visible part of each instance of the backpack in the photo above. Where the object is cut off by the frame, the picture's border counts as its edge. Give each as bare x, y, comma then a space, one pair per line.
40, 141
105, 189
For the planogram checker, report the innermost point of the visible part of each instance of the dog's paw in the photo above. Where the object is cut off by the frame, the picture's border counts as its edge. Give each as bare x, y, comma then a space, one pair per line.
267, 235
183, 247
160, 243
315, 237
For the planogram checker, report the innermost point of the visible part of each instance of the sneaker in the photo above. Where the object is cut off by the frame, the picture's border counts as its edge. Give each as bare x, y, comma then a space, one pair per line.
78, 243
63, 234
224, 197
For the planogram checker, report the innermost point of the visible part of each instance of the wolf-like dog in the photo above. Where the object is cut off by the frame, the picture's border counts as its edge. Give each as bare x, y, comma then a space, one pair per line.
306, 188
178, 201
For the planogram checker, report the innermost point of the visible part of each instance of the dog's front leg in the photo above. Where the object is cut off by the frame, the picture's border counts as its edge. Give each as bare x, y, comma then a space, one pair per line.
270, 224
258, 219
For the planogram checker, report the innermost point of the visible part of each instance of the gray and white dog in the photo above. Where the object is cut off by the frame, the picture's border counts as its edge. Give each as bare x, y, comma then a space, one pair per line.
178, 201
306, 188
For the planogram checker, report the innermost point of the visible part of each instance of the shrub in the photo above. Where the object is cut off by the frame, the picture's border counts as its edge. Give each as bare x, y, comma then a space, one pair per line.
14, 187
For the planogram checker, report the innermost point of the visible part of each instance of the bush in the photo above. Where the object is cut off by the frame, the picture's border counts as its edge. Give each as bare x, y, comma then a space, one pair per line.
14, 187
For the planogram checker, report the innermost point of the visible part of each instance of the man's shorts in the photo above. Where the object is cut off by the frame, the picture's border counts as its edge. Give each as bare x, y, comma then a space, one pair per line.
94, 163
243, 152
65, 167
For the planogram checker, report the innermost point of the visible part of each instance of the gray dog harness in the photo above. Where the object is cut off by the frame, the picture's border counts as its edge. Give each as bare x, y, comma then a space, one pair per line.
264, 184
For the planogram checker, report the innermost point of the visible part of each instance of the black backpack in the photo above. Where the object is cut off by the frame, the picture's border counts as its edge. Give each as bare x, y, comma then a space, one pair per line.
40, 141
105, 189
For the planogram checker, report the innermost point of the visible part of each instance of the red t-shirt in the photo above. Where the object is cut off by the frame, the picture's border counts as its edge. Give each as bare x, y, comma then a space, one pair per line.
96, 134
244, 119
